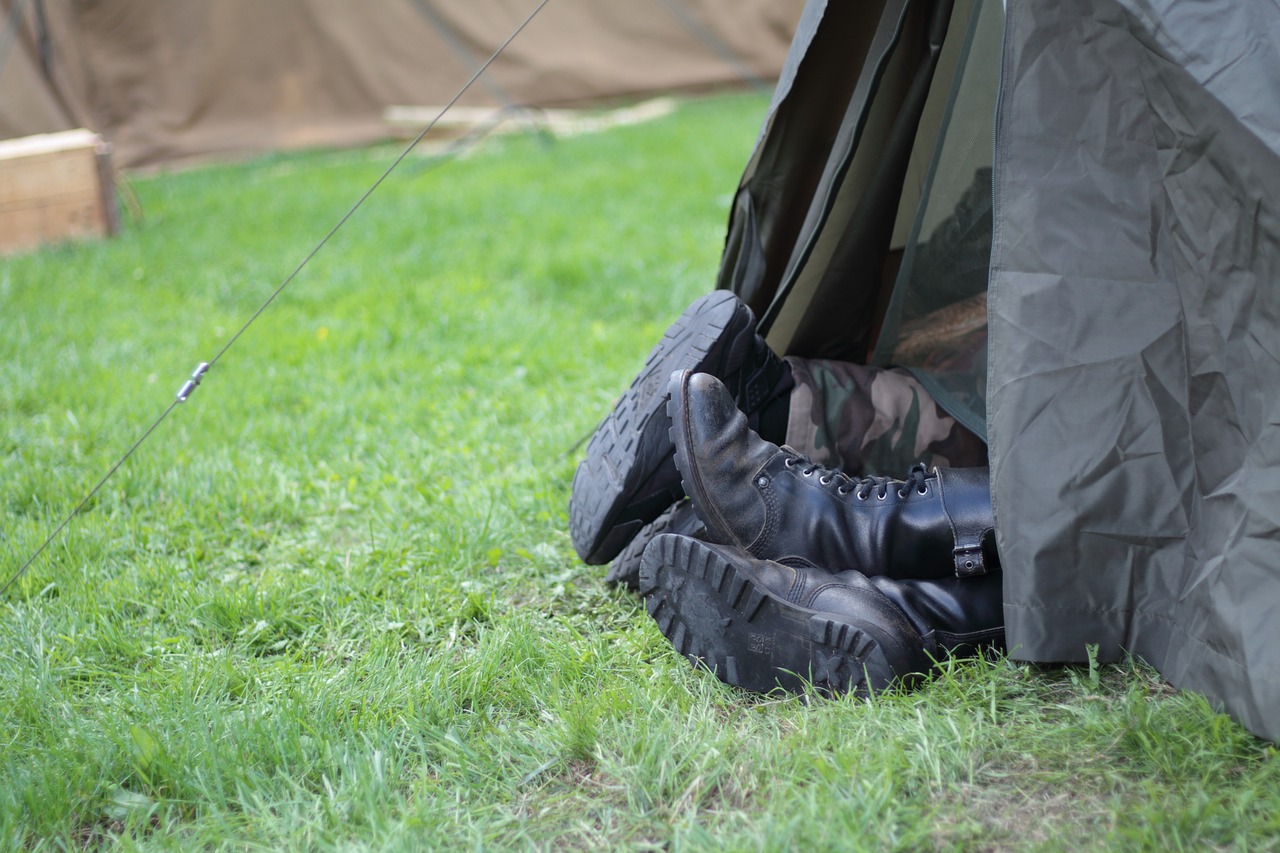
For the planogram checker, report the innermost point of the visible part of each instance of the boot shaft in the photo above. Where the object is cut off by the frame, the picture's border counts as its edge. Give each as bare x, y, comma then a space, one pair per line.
950, 527
952, 616
961, 616
777, 504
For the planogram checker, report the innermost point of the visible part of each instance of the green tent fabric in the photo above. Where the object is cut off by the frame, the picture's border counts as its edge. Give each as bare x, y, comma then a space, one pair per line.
1134, 384
1123, 360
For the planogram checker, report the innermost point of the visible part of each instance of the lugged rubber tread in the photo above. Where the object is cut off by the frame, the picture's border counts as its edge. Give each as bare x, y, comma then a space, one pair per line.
778, 644
628, 477
678, 637
625, 568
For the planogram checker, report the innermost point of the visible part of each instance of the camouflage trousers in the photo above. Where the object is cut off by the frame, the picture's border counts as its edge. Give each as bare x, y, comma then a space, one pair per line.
872, 420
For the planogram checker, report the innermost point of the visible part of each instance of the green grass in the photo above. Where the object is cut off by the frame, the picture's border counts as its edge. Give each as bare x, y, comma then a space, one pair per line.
331, 604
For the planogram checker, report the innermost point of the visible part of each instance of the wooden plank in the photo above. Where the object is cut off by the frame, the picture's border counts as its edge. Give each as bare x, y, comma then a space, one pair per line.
27, 228
47, 143
28, 180
55, 186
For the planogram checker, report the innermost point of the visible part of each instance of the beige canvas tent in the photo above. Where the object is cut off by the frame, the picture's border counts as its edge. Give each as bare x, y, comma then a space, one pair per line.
186, 79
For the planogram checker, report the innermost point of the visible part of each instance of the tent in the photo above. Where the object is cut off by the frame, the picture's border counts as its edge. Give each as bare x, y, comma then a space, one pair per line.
1062, 216
184, 79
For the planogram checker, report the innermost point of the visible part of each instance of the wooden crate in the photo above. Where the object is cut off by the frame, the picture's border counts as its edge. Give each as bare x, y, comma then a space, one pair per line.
54, 187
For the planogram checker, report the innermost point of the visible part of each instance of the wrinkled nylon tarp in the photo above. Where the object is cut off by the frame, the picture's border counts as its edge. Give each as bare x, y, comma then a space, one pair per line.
1134, 381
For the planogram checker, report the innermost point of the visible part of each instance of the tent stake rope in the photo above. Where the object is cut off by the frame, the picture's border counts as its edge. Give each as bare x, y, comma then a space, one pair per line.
189, 387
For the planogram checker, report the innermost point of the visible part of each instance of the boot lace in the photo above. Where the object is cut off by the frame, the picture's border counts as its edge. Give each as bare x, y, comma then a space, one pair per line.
862, 487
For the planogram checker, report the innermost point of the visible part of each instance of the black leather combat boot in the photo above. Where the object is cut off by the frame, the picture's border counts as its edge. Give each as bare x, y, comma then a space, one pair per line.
760, 624
776, 504
627, 478
679, 519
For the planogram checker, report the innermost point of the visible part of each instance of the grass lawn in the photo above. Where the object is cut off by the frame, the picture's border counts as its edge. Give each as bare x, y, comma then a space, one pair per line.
332, 604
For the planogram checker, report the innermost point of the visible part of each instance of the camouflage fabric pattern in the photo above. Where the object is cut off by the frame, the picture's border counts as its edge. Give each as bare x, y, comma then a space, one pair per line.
868, 420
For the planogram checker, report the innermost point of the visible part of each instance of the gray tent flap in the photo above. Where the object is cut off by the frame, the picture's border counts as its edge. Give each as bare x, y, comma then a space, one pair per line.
1134, 382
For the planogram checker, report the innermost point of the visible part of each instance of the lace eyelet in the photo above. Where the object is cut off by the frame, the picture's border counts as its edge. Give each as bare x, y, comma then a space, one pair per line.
842, 491
860, 496
808, 472
881, 496
826, 481
789, 462
902, 495
922, 490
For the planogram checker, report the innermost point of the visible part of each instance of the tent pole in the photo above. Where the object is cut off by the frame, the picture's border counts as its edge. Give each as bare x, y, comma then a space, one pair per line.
10, 33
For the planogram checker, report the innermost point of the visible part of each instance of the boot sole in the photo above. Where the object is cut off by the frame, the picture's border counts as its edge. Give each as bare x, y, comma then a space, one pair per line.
680, 519
628, 476
720, 618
